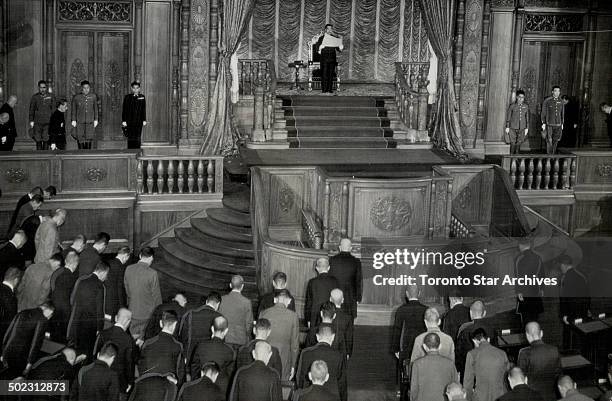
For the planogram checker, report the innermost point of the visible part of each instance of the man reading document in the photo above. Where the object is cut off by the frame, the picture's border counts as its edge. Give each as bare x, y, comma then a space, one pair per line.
328, 44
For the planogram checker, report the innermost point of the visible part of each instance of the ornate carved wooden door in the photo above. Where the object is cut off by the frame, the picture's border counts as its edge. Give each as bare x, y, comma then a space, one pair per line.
102, 58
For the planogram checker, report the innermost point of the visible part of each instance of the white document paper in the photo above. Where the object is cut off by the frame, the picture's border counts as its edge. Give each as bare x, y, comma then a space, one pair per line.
331, 41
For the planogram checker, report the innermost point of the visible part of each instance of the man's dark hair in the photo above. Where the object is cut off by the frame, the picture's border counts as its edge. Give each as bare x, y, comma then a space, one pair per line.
556, 87
102, 237
279, 277
12, 273
48, 305
214, 296
102, 267
135, 83
210, 368
124, 250
36, 191
109, 350
326, 25
146, 252
60, 102
220, 324
58, 257
37, 198
168, 318
516, 373
263, 324
328, 309
479, 334
432, 341
520, 92
85, 82
42, 82
52, 190
604, 104
283, 293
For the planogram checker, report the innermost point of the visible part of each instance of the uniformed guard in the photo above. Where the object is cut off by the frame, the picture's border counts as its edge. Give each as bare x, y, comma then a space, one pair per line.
42, 105
84, 114
134, 115
552, 120
517, 122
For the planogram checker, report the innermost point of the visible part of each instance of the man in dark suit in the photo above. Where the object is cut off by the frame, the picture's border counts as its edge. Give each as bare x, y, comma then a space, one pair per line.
606, 108
90, 255
77, 246
154, 387
134, 115
27, 210
163, 353
279, 282
257, 381
196, 324
8, 108
347, 270
24, 338
528, 263
204, 388
29, 227
328, 59
431, 373
318, 376
485, 369
318, 291
456, 316
176, 305
62, 284
464, 343
11, 254
520, 390
125, 361
87, 317
262, 330
540, 362
343, 324
22, 201
574, 298
569, 390
115, 290
97, 381
59, 366
336, 363
329, 315
408, 323
8, 300
215, 350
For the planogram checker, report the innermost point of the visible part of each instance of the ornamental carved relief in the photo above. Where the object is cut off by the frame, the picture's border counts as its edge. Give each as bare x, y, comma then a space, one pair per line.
16, 175
95, 174
553, 23
77, 74
285, 198
604, 170
390, 213
464, 198
113, 77
95, 11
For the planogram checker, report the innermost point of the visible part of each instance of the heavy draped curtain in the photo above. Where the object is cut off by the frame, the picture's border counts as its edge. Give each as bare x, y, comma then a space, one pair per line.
220, 135
439, 17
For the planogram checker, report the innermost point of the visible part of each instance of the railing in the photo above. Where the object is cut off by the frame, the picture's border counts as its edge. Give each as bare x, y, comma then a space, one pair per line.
312, 229
411, 95
458, 229
253, 72
258, 79
158, 175
541, 172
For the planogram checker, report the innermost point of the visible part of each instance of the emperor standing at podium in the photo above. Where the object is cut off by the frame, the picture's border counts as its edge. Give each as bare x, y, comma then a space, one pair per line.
327, 46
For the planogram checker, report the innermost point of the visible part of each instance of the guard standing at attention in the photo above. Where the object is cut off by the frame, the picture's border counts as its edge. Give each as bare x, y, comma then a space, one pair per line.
42, 105
84, 114
134, 115
517, 122
552, 120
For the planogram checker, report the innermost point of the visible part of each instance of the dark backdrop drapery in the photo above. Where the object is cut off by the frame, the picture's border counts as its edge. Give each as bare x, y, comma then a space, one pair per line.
439, 16
220, 136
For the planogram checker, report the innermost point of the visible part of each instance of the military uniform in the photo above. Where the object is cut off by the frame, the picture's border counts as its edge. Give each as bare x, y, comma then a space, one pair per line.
552, 116
153, 387
96, 381
541, 363
162, 354
214, 350
336, 365
134, 113
85, 111
517, 120
41, 108
256, 382
202, 389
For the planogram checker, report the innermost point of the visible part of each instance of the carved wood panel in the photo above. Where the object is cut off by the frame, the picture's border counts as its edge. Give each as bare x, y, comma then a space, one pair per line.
286, 198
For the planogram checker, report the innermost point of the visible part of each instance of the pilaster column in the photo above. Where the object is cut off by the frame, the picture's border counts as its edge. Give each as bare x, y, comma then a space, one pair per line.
176, 34
213, 49
138, 40
49, 45
2, 50
459, 48
587, 83
184, 68
519, 17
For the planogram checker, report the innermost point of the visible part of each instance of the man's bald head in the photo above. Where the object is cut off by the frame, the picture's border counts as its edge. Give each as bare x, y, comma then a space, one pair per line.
319, 373
432, 318
337, 296
477, 310
565, 383
124, 317
322, 265
237, 282
431, 342
516, 377
345, 245
533, 331
70, 355
412, 291
262, 352
454, 391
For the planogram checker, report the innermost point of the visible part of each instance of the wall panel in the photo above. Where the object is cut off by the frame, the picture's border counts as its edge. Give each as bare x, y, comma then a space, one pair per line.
602, 84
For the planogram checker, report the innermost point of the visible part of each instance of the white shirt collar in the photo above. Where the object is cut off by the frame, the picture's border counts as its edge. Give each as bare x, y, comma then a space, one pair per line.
9, 285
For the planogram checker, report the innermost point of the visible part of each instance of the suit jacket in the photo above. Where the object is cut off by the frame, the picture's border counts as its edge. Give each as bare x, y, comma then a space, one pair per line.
62, 283
454, 318
485, 373
528, 263
447, 346
267, 301
10, 257
134, 110
88, 259
35, 285
284, 335
522, 392
256, 382
574, 395
339, 339
464, 342
344, 332
408, 323
429, 377
153, 387
24, 212
347, 270
47, 240
24, 338
8, 308
87, 315
541, 363
314, 392
22, 201
214, 350
574, 299
142, 290
195, 328
153, 328
239, 313
336, 365
11, 122
52, 367
201, 389
328, 54
162, 354
96, 382
317, 292
125, 361
84, 108
244, 357
30, 227
115, 289
57, 128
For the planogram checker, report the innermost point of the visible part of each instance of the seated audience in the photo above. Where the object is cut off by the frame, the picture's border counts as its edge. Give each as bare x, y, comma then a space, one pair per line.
318, 376
204, 388
262, 330
90, 255
163, 353
431, 373
176, 304
279, 282
569, 391
35, 285
196, 324
8, 300
485, 369
432, 322
61, 284
239, 313
257, 381
47, 238
97, 381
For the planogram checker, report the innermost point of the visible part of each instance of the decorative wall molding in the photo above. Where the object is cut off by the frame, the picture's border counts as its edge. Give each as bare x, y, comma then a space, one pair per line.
285, 198
198, 64
95, 174
16, 175
464, 199
604, 170
553, 22
502, 3
390, 213
95, 11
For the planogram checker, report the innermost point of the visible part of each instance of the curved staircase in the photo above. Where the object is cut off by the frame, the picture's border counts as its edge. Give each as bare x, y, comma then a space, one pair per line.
203, 257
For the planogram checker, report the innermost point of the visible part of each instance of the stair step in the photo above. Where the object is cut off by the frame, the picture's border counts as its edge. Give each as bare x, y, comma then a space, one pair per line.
338, 121
203, 242
238, 201
340, 143
228, 216
221, 231
334, 111
347, 133
324, 101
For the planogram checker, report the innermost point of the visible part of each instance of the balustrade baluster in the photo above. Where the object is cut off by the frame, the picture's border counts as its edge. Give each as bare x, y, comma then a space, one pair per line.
170, 176
530, 173
242, 78
200, 176
210, 176
521, 175
573, 173
160, 176
565, 173
139, 182
149, 177
190, 178
345, 202
513, 172
181, 177
547, 173
555, 182
250, 79
538, 178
